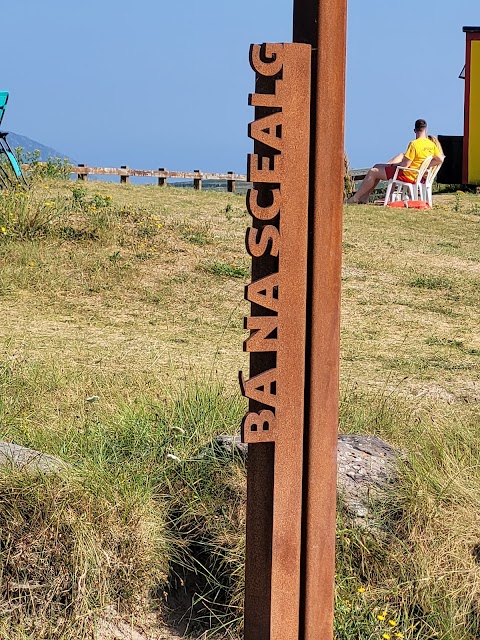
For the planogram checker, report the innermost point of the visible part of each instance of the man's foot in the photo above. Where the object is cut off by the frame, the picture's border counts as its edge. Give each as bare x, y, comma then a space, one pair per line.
352, 200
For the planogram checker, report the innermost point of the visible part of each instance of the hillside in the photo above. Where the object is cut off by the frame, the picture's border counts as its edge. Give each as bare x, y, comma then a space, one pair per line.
29, 146
121, 340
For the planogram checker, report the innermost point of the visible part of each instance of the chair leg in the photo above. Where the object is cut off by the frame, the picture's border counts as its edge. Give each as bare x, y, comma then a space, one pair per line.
387, 193
5, 178
429, 196
12, 159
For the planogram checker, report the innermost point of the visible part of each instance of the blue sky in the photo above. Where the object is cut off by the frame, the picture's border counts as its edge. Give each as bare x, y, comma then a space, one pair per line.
155, 83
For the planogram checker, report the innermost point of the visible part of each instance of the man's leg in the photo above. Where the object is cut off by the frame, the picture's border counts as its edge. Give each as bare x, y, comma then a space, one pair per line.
373, 177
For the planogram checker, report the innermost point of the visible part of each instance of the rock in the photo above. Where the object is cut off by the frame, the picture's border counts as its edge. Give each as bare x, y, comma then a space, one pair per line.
366, 467
436, 392
232, 444
29, 459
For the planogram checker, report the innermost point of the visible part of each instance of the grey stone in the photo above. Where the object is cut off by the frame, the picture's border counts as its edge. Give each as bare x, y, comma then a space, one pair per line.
29, 459
366, 467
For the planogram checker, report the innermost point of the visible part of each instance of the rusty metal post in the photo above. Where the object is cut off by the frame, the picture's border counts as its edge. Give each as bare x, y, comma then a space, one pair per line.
124, 177
162, 182
231, 183
82, 176
197, 182
273, 427
322, 23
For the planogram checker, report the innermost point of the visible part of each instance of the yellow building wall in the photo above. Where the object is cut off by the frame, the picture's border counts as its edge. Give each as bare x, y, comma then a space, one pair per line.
474, 124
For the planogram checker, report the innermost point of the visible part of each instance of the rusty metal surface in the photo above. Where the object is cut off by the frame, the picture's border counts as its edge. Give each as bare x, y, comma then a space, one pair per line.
277, 242
322, 23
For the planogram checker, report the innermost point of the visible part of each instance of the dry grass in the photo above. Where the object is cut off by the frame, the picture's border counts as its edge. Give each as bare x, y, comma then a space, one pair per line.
157, 280
127, 289
130, 292
410, 293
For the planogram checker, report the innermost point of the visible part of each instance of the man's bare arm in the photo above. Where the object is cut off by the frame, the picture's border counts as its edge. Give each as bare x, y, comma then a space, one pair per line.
406, 162
437, 160
397, 159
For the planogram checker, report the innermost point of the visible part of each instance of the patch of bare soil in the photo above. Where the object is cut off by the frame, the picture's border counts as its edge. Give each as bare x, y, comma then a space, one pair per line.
464, 392
113, 627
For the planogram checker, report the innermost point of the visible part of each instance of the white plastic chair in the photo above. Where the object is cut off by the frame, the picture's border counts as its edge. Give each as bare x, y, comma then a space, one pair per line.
400, 190
427, 185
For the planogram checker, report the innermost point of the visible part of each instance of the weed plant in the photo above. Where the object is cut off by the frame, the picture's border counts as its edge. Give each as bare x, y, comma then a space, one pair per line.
57, 168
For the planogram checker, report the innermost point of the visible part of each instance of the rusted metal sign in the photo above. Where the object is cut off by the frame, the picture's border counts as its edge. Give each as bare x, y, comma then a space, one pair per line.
277, 242
295, 244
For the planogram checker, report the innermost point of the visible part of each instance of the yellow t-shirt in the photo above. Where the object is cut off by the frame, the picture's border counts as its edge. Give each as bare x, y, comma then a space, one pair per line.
417, 151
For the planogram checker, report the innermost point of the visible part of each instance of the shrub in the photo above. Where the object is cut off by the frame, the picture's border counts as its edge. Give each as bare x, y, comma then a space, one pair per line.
69, 546
60, 168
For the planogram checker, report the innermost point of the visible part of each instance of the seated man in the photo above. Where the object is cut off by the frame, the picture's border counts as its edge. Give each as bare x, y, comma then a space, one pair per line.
417, 151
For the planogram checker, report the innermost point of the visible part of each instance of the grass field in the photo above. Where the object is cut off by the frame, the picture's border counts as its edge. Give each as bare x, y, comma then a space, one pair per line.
121, 339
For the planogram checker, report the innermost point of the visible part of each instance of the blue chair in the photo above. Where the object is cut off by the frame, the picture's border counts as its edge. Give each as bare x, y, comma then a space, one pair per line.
5, 178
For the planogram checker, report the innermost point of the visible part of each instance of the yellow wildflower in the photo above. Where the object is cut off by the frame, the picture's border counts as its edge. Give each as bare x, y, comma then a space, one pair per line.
3, 230
381, 617
392, 623
31, 264
49, 204
386, 636
361, 589
399, 634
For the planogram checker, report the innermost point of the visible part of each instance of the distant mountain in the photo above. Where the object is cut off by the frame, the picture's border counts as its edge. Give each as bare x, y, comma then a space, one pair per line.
28, 145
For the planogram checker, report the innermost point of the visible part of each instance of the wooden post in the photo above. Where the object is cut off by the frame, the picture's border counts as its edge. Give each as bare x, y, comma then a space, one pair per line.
82, 176
231, 183
322, 23
197, 182
162, 182
124, 177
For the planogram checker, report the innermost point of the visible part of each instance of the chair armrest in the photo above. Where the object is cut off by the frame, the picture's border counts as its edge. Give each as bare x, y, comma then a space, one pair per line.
399, 168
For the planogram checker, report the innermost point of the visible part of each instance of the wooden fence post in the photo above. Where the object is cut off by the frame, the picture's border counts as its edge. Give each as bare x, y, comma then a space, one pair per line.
124, 178
82, 176
197, 182
162, 182
231, 183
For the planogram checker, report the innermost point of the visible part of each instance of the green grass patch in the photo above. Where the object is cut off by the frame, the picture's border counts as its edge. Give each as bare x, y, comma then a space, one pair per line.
430, 282
226, 270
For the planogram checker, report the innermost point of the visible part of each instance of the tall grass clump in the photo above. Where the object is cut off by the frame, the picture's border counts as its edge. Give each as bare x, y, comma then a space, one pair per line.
418, 572
25, 215
71, 545
149, 505
70, 214
348, 181
151, 512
